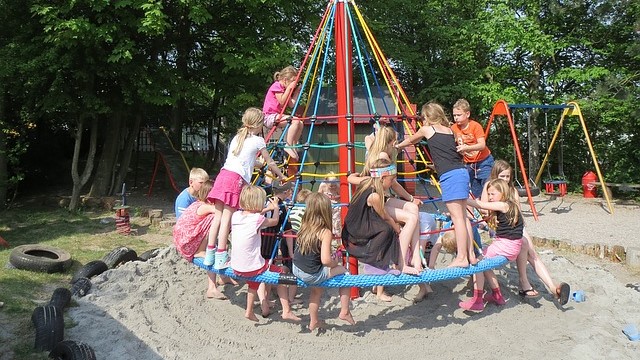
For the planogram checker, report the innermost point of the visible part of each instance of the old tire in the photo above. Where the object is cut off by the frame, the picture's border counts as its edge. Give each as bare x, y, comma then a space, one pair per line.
42, 258
48, 321
149, 254
90, 269
81, 287
60, 298
119, 256
72, 350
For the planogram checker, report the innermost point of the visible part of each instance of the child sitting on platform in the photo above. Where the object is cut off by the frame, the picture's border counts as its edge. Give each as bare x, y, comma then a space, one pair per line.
246, 260
506, 218
313, 262
331, 188
191, 230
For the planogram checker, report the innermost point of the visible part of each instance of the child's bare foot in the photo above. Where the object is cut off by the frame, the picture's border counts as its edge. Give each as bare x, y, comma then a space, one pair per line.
317, 325
422, 294
291, 152
347, 318
459, 263
251, 316
383, 296
290, 316
214, 293
410, 270
265, 309
222, 280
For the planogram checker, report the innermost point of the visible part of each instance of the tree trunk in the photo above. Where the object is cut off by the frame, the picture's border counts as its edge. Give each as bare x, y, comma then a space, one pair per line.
105, 173
4, 169
534, 129
80, 180
132, 135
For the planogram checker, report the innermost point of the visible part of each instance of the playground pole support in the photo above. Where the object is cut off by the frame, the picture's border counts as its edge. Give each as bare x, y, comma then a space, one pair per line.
574, 110
502, 108
344, 92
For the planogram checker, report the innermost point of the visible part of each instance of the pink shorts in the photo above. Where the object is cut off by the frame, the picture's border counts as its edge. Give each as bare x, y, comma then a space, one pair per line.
252, 284
504, 247
227, 188
269, 120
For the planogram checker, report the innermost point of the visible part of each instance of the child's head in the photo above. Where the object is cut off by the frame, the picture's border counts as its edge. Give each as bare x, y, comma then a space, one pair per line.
252, 198
384, 171
461, 112
288, 74
281, 190
197, 177
252, 121
433, 114
331, 183
383, 142
203, 190
448, 240
317, 217
302, 195
501, 170
500, 190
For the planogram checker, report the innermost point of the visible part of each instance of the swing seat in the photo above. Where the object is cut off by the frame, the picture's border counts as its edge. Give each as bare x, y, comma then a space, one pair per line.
522, 190
550, 187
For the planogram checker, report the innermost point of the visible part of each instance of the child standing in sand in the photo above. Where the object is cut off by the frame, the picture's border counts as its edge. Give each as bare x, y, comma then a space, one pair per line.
454, 178
191, 230
235, 174
312, 261
506, 218
275, 102
246, 260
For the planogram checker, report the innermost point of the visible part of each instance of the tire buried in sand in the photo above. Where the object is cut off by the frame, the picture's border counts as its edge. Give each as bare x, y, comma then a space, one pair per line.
119, 256
90, 269
72, 350
41, 258
48, 321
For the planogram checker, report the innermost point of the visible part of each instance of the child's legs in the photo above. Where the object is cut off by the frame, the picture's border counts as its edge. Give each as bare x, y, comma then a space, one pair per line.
407, 213
314, 305
294, 132
521, 263
337, 270
215, 224
470, 243
537, 264
491, 279
225, 227
457, 210
478, 280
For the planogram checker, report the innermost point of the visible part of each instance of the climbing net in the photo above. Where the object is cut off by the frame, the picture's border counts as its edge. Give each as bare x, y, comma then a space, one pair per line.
380, 99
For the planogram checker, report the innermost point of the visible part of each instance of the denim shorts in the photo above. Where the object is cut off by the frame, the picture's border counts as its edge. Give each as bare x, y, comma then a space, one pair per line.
312, 279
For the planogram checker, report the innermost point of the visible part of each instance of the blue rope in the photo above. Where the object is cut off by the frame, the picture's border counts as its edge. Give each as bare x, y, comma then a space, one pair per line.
348, 280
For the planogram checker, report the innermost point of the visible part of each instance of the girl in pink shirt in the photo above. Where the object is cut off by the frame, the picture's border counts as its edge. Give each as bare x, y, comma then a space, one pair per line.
246, 260
275, 102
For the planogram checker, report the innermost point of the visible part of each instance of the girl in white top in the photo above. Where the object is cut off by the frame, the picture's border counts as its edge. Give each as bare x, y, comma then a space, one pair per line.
247, 260
234, 175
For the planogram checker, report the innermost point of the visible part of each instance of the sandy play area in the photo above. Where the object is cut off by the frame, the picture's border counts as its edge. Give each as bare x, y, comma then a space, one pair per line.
158, 310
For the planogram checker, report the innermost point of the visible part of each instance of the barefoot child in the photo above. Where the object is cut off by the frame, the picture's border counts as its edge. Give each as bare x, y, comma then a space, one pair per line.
312, 261
506, 218
454, 178
190, 233
246, 260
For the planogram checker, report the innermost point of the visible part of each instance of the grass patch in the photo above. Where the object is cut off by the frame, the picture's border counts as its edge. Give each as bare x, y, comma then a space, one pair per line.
87, 235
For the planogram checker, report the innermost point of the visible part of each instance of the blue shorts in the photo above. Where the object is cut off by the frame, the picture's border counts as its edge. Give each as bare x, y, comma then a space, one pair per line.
455, 185
312, 279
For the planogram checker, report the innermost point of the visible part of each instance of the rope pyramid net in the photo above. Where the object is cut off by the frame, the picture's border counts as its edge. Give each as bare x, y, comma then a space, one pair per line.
366, 92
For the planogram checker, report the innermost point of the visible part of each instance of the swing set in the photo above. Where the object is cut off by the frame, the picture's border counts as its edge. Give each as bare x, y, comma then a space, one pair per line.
529, 187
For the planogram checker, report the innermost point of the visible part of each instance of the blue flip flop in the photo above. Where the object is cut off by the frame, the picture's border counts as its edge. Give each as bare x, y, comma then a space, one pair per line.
632, 332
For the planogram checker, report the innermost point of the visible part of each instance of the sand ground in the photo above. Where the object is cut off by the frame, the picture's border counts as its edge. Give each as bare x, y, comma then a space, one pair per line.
157, 310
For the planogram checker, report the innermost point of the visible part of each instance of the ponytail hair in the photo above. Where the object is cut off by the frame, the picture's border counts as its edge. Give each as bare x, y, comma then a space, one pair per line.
251, 119
288, 72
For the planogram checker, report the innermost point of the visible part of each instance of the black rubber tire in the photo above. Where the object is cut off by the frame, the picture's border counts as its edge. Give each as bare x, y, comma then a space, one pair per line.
90, 269
42, 258
48, 321
119, 256
72, 350
149, 254
81, 287
60, 298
